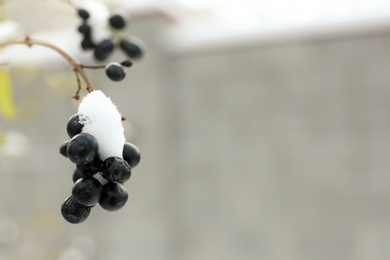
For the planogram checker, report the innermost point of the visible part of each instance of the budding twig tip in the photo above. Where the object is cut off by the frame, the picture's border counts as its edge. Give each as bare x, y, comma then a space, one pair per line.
126, 63
28, 41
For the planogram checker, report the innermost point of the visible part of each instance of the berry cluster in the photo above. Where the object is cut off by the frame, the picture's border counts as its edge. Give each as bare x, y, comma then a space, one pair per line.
96, 181
103, 48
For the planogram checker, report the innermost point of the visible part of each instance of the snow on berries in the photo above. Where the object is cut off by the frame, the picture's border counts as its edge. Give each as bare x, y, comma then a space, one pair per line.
101, 118
103, 158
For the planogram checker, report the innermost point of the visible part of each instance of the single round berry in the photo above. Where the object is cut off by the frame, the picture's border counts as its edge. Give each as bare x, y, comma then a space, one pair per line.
87, 43
82, 148
115, 71
74, 126
103, 49
113, 197
116, 169
86, 191
85, 29
131, 154
106, 45
83, 14
131, 49
117, 21
63, 148
74, 212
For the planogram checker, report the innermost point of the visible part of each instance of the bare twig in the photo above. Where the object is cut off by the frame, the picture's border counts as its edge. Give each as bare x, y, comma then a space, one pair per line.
125, 63
77, 67
101, 66
77, 96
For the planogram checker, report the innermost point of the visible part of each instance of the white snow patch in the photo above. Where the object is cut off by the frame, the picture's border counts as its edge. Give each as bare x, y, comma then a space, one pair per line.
101, 118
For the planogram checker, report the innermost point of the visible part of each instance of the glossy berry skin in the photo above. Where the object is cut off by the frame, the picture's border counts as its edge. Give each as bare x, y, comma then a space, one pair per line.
117, 21
131, 154
74, 212
86, 191
103, 50
63, 149
82, 148
74, 126
131, 49
115, 71
83, 14
116, 169
89, 169
113, 197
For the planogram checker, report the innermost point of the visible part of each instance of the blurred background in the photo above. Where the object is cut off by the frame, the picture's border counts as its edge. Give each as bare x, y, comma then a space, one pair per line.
263, 129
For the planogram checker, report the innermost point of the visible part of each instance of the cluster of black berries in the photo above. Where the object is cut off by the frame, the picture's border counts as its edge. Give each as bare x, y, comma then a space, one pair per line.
95, 181
103, 49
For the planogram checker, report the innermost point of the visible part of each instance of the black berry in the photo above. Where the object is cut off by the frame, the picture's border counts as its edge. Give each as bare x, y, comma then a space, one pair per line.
63, 149
86, 191
83, 14
85, 29
82, 148
117, 21
116, 169
115, 71
131, 49
131, 154
113, 196
74, 126
74, 212
87, 43
103, 49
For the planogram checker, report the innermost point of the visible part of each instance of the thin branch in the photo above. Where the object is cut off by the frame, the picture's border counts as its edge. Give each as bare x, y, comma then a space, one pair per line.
77, 96
77, 67
93, 66
125, 63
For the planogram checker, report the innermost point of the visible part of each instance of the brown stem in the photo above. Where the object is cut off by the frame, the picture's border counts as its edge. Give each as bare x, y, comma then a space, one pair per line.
125, 63
77, 67
77, 96
93, 66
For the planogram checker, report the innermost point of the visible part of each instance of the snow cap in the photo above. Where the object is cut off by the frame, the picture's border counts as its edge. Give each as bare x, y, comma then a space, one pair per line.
101, 118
